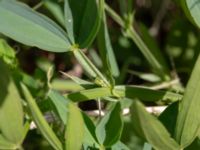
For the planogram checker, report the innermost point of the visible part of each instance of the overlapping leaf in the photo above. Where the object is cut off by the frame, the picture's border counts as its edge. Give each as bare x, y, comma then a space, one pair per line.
109, 129
106, 50
142, 93
192, 10
188, 122
83, 20
22, 24
40, 121
11, 112
150, 129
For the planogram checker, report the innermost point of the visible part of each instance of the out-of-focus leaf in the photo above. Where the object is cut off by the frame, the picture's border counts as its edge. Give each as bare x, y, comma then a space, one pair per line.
191, 8
119, 146
56, 11
146, 76
106, 50
41, 123
109, 130
30, 81
74, 128
7, 53
187, 127
11, 111
31, 28
149, 128
4, 144
65, 85
83, 20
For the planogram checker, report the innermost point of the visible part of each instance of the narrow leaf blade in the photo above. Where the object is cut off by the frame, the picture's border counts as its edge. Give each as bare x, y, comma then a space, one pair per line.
109, 129
40, 121
74, 128
187, 127
106, 50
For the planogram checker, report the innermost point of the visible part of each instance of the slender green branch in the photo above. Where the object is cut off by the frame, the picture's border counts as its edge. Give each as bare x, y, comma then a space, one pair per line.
90, 68
131, 33
115, 16
157, 67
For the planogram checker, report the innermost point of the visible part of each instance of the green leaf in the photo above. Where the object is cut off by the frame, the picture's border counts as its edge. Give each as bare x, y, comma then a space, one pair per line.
41, 123
146, 94
90, 136
60, 103
119, 146
187, 127
31, 28
7, 53
192, 10
142, 93
4, 144
83, 20
106, 50
11, 111
109, 130
74, 128
62, 108
89, 94
149, 128
65, 85
56, 11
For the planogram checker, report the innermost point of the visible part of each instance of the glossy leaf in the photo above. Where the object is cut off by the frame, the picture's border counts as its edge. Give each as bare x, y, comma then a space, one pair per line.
150, 129
41, 123
31, 28
109, 130
191, 8
187, 127
74, 128
83, 20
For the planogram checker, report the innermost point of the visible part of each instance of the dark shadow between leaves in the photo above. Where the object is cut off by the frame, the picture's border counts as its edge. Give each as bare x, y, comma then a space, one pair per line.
4, 81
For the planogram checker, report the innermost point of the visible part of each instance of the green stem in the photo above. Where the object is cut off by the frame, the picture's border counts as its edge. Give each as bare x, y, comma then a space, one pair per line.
131, 33
90, 68
157, 67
